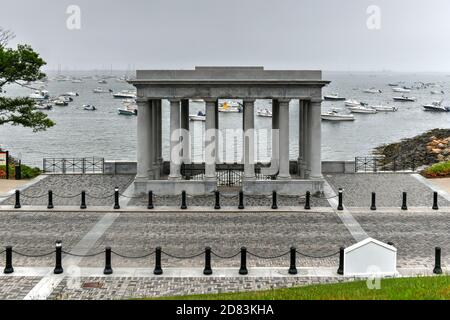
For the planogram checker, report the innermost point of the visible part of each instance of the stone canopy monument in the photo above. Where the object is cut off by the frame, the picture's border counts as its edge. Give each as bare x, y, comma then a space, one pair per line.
211, 84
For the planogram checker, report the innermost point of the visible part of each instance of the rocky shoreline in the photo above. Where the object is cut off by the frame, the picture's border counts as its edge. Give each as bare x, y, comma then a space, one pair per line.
420, 151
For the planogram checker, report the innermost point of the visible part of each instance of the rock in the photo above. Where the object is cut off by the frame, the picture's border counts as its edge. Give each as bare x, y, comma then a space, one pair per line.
441, 145
440, 157
436, 151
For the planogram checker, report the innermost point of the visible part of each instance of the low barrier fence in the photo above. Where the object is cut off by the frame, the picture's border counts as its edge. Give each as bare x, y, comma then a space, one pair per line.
73, 165
207, 253
306, 199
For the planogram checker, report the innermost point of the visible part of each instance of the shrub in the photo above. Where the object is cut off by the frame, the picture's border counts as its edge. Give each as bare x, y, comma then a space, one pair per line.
27, 172
438, 170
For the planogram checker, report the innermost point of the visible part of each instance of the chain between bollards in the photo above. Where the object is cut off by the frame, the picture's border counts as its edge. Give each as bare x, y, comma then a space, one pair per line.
17, 202
437, 261
108, 266
207, 271
243, 269
58, 258
8, 265
293, 268
308, 200
158, 270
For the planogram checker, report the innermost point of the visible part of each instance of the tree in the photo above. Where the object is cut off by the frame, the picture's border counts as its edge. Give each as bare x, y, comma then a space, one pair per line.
20, 65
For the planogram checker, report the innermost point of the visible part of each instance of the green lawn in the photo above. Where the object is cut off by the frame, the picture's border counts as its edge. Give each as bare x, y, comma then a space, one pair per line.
420, 288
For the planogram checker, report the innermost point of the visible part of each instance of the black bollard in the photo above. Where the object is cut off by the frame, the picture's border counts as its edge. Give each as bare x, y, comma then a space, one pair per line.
373, 206
435, 201
158, 269
243, 270
150, 201
108, 267
437, 261
50, 200
308, 201
217, 204
274, 201
293, 268
340, 206
404, 200
8, 265
241, 200
17, 204
116, 199
58, 258
341, 261
207, 271
83, 200
183, 200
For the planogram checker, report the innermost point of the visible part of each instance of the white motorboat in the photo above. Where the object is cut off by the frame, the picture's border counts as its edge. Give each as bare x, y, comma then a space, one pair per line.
43, 106
404, 98
372, 90
70, 94
362, 109
61, 103
200, 116
128, 111
352, 103
264, 113
77, 81
436, 106
381, 108
335, 116
125, 94
89, 107
39, 95
437, 92
401, 89
100, 90
103, 81
333, 97
230, 107
393, 84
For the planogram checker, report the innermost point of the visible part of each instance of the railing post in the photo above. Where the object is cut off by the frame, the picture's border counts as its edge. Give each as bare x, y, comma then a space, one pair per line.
116, 198
293, 268
150, 201
341, 261
437, 261
17, 204
158, 269
8, 265
373, 206
435, 201
108, 267
404, 200
183, 200
50, 200
340, 206
58, 258
217, 201
207, 271
274, 201
83, 200
308, 201
243, 270
241, 200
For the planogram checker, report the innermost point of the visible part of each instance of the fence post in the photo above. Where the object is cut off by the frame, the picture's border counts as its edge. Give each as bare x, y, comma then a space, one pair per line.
83, 200
183, 200
17, 204
435, 201
274, 201
158, 269
340, 206
207, 271
116, 198
241, 200
437, 261
50, 200
404, 200
58, 258
293, 268
373, 206
243, 270
8, 265
341, 261
150, 201
108, 267
217, 204
308, 201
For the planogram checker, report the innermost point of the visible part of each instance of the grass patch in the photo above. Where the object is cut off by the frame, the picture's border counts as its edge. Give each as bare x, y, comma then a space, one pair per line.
419, 288
437, 170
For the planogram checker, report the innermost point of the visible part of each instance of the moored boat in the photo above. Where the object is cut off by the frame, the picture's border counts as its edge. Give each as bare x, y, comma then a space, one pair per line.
352, 103
89, 107
401, 89
125, 94
335, 116
404, 98
333, 97
385, 108
372, 90
362, 109
200, 116
264, 113
436, 106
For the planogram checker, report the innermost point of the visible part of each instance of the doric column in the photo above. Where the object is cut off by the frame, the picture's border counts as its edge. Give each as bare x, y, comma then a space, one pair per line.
186, 137
216, 126
249, 139
284, 140
144, 139
315, 131
302, 138
275, 134
156, 143
175, 159
210, 140
159, 124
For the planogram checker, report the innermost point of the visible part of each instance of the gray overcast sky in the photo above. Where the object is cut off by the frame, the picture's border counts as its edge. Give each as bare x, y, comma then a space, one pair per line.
322, 34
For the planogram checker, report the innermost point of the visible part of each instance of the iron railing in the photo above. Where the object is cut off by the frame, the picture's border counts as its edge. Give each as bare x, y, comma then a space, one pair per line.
381, 164
73, 165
